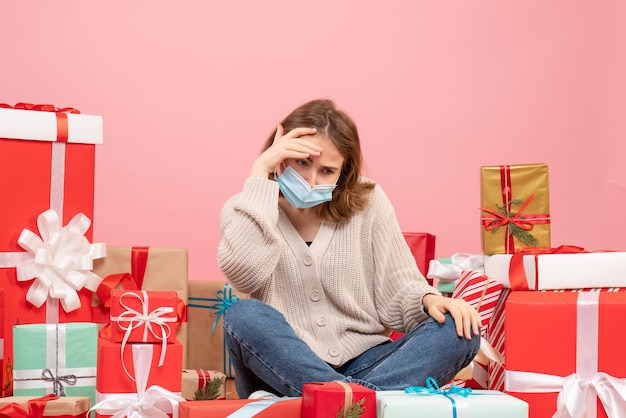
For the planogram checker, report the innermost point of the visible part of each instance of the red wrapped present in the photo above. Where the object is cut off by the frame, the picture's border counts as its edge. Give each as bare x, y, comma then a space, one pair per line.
143, 268
47, 160
242, 408
422, 247
194, 380
564, 354
141, 381
144, 316
515, 208
328, 399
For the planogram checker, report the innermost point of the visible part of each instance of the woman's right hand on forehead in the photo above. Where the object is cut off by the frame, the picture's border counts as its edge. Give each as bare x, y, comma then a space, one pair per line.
289, 145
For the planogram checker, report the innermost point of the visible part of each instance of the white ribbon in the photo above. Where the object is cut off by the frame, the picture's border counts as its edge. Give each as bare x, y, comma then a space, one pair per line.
460, 262
146, 319
60, 260
153, 402
578, 391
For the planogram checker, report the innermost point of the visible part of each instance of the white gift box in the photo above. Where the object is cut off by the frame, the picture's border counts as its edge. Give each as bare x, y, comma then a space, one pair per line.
42, 126
563, 271
479, 404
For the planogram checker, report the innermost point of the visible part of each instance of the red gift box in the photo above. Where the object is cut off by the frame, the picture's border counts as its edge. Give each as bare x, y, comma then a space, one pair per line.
565, 343
267, 408
323, 400
42, 167
422, 247
137, 374
144, 316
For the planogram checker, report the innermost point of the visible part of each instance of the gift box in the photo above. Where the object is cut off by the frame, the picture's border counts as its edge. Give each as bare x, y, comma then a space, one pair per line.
6, 386
422, 247
195, 380
476, 404
142, 268
564, 352
515, 208
208, 300
47, 160
327, 399
50, 405
146, 378
558, 270
242, 408
58, 359
148, 316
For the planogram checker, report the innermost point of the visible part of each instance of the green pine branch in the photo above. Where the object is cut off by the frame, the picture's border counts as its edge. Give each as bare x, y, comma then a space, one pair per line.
355, 410
522, 235
210, 391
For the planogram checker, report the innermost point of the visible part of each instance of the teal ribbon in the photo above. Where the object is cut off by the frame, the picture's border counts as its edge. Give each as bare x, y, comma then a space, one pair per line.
224, 299
432, 388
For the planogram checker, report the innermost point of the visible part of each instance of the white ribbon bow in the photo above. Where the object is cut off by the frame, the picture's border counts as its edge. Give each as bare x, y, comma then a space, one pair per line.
146, 319
460, 262
60, 261
573, 391
154, 402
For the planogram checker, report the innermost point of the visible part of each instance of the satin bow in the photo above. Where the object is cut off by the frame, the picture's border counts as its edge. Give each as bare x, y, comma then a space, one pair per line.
153, 402
225, 299
147, 319
432, 389
60, 261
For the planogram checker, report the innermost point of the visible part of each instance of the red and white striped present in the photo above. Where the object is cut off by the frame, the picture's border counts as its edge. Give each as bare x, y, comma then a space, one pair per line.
480, 291
194, 380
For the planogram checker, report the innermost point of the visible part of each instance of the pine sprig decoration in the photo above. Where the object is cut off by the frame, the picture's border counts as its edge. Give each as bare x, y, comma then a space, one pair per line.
521, 234
355, 410
210, 391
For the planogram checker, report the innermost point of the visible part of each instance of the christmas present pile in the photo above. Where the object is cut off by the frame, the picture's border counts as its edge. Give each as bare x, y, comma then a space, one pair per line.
553, 321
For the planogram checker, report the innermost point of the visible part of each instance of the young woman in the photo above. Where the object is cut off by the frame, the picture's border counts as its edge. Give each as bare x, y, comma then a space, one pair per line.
319, 249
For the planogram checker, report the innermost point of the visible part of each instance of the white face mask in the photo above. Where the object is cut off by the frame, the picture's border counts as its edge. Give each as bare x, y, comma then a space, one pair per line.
298, 192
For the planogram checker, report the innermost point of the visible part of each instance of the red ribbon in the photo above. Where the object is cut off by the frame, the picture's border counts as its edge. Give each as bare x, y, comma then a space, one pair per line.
138, 264
522, 221
61, 114
517, 274
36, 408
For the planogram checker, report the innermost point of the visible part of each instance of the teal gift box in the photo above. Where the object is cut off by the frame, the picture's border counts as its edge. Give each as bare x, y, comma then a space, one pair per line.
55, 358
478, 404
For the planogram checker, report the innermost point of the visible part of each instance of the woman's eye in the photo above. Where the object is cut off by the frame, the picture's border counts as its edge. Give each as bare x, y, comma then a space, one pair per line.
302, 163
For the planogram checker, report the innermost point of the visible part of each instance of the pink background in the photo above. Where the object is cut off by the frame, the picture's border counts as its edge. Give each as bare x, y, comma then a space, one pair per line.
190, 90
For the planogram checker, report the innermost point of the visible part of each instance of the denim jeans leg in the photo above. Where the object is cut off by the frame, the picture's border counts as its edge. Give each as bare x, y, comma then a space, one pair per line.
267, 354
432, 349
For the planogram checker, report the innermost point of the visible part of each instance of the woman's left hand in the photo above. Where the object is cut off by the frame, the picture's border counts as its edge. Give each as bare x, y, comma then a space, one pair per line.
465, 317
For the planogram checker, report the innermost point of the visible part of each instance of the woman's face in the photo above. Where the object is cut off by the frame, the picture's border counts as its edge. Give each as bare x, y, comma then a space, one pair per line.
322, 169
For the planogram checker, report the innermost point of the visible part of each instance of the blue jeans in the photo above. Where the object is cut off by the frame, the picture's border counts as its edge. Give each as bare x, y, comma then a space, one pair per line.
266, 354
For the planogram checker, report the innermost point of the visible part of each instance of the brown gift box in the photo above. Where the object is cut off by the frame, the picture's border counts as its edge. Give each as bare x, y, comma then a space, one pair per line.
72, 406
515, 208
194, 380
207, 348
166, 269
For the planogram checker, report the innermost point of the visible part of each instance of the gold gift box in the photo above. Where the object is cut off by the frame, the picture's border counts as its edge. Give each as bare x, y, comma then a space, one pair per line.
515, 208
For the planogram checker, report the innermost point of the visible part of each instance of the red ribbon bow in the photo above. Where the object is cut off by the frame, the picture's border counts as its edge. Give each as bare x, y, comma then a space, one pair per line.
517, 274
36, 408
